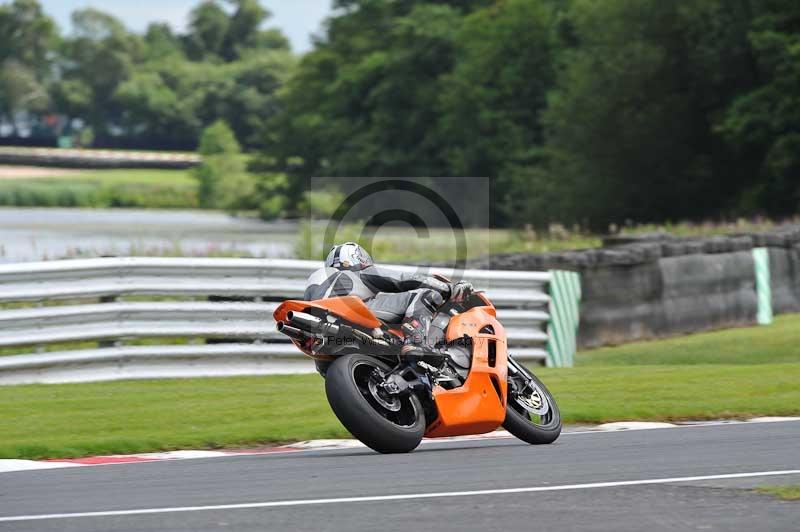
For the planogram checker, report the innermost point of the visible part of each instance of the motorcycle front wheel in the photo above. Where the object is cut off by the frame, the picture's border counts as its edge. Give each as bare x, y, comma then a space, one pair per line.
383, 422
532, 414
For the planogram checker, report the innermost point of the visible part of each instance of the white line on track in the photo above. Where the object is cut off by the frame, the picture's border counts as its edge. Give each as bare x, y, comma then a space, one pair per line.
409, 496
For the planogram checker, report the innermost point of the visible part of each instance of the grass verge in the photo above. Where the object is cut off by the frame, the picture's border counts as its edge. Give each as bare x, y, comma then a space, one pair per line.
143, 188
787, 493
736, 373
136, 416
748, 345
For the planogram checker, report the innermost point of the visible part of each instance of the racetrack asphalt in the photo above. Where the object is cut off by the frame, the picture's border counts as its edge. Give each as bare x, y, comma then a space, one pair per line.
628, 480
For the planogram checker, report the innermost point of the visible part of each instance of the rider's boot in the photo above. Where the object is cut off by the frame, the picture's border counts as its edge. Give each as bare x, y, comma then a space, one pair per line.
417, 343
430, 355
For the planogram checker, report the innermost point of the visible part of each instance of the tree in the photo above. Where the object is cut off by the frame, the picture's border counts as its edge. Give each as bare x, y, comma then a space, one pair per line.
243, 30
95, 60
629, 125
493, 99
28, 36
20, 92
25, 63
222, 169
160, 42
763, 124
363, 103
208, 28
152, 107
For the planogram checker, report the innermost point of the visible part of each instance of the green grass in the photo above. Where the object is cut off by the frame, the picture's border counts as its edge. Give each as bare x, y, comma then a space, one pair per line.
787, 493
710, 228
704, 376
103, 188
653, 393
403, 244
136, 416
777, 343
123, 176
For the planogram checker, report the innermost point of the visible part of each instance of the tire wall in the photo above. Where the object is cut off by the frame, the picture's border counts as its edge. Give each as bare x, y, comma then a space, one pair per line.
671, 295
784, 270
657, 285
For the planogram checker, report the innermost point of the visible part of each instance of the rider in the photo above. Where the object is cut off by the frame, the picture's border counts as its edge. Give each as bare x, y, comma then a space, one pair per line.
391, 295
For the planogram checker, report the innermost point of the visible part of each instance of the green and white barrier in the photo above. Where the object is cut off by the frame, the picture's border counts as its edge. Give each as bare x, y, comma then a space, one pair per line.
562, 329
763, 288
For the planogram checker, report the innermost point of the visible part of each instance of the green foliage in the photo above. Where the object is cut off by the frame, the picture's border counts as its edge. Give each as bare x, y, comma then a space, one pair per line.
766, 120
628, 124
270, 195
20, 90
218, 139
495, 94
221, 174
208, 24
321, 203
103, 188
583, 112
153, 86
363, 103
29, 36
173, 96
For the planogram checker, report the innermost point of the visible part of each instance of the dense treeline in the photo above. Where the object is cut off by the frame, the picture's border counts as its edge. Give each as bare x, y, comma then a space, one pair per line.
583, 111
158, 86
589, 112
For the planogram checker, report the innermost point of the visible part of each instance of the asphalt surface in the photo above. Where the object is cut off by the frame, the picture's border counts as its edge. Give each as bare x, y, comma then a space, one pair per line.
567, 471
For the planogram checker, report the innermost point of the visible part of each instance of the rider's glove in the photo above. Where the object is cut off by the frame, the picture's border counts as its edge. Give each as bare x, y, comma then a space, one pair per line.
461, 290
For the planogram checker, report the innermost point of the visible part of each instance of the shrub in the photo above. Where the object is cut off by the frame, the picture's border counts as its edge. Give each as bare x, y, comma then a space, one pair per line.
220, 175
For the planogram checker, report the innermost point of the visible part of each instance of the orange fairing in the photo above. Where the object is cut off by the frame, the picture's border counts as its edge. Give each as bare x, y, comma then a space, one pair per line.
480, 404
350, 308
476, 407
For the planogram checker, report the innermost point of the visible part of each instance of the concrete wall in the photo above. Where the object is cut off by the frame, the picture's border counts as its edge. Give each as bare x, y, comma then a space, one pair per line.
658, 285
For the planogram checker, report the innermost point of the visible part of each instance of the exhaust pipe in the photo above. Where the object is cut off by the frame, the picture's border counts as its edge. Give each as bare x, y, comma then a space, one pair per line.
301, 319
307, 325
292, 332
311, 323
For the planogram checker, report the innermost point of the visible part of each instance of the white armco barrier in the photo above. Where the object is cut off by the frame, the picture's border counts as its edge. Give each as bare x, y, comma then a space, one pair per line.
164, 311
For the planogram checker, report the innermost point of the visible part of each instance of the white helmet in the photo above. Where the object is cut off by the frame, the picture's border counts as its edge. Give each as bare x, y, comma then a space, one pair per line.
348, 256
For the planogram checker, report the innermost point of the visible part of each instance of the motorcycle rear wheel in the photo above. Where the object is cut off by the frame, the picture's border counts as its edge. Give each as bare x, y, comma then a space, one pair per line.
526, 418
385, 423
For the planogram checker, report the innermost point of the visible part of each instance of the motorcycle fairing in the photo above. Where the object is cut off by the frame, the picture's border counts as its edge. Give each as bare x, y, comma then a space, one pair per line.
479, 405
351, 308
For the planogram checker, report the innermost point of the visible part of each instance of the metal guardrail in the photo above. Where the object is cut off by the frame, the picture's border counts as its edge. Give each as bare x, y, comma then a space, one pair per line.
154, 299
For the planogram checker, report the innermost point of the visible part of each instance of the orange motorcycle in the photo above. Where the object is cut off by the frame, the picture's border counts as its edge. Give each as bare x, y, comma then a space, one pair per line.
390, 402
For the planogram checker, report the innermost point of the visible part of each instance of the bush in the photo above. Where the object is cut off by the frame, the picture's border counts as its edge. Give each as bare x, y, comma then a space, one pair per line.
59, 193
47, 194
221, 174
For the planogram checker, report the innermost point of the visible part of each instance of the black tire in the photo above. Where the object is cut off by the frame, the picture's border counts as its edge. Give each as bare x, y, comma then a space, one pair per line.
540, 431
375, 426
322, 367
